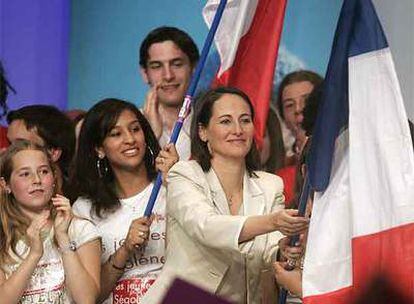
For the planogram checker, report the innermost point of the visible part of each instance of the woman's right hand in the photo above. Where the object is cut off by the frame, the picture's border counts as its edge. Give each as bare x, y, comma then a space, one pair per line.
33, 233
137, 234
288, 222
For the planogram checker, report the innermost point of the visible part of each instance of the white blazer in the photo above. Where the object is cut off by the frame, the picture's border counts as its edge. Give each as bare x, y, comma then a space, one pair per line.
202, 235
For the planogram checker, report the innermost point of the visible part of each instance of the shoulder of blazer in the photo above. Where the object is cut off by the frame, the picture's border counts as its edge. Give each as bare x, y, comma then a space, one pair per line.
268, 181
189, 169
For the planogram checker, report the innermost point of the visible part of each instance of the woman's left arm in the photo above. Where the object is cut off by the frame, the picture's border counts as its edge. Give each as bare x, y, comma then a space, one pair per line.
82, 265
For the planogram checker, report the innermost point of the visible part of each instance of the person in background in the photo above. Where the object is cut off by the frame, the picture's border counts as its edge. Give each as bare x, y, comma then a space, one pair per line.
76, 116
168, 57
45, 252
291, 99
292, 280
5, 87
272, 154
48, 127
292, 96
115, 167
224, 218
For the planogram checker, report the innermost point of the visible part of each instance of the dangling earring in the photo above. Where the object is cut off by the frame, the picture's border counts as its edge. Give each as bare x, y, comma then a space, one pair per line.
209, 148
101, 166
152, 155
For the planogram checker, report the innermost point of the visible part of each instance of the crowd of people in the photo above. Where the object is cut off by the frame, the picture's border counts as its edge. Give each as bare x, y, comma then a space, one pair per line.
74, 189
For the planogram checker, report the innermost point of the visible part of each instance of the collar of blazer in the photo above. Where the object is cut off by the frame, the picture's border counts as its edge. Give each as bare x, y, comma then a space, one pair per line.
253, 196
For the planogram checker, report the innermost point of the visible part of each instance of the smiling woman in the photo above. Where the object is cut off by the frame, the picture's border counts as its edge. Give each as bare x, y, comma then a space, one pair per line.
225, 217
114, 172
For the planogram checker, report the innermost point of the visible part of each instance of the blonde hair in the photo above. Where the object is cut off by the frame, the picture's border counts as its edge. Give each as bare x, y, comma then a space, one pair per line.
14, 222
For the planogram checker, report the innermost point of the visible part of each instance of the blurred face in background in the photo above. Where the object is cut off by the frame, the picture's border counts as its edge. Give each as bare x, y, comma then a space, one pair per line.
293, 101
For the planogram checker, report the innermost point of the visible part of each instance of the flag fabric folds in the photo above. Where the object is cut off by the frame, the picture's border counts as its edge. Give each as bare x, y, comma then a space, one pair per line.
363, 165
247, 41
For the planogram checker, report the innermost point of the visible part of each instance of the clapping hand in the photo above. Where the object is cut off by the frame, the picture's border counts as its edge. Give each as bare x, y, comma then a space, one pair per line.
33, 233
151, 111
63, 217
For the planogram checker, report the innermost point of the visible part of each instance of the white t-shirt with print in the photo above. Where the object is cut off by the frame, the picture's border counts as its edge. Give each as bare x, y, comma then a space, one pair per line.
47, 283
143, 267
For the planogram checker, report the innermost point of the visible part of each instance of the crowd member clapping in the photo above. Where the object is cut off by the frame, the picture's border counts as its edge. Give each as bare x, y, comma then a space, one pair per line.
224, 218
114, 172
45, 252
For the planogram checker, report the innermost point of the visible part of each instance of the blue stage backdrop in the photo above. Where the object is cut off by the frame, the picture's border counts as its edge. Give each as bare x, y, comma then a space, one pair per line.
106, 34
34, 50
73, 53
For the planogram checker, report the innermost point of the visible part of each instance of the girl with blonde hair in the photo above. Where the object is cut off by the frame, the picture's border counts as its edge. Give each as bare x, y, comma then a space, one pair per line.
46, 254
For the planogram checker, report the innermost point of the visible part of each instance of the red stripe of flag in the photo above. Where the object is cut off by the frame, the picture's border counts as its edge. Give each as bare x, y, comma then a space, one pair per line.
253, 68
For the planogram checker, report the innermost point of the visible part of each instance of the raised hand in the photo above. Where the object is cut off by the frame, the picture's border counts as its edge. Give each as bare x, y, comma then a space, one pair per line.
63, 217
152, 112
138, 233
287, 222
167, 157
34, 239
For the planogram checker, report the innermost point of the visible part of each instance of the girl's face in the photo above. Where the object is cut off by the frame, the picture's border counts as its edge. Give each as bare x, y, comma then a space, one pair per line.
31, 181
125, 146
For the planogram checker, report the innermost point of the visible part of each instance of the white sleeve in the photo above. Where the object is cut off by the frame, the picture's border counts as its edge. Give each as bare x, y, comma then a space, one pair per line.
82, 231
82, 208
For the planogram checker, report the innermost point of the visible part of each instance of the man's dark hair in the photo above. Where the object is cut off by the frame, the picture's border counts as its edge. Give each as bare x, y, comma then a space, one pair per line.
166, 33
53, 126
203, 111
4, 91
294, 77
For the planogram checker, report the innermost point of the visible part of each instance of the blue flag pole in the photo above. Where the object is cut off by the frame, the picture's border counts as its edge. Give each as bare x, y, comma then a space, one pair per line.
303, 201
188, 98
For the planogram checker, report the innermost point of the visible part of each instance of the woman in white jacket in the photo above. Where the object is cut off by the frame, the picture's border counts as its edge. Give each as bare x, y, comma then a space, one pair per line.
224, 218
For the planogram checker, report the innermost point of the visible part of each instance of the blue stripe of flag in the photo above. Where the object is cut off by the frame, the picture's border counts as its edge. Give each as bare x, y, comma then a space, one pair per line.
358, 31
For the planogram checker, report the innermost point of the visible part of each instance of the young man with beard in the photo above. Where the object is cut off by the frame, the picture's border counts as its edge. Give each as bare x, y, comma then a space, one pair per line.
168, 57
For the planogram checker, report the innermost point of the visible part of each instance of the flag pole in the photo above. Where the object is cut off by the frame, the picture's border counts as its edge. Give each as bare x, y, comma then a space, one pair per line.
303, 201
188, 98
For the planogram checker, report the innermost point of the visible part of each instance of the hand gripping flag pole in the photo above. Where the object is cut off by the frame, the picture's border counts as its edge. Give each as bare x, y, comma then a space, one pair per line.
294, 239
188, 99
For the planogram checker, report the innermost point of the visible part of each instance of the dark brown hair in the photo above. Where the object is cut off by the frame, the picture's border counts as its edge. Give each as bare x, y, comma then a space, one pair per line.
98, 122
294, 77
167, 33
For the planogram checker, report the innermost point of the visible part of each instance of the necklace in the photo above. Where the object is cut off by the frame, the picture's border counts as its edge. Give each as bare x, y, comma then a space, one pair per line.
230, 200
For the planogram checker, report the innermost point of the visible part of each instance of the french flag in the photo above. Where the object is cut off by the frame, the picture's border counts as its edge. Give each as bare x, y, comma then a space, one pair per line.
362, 166
247, 41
